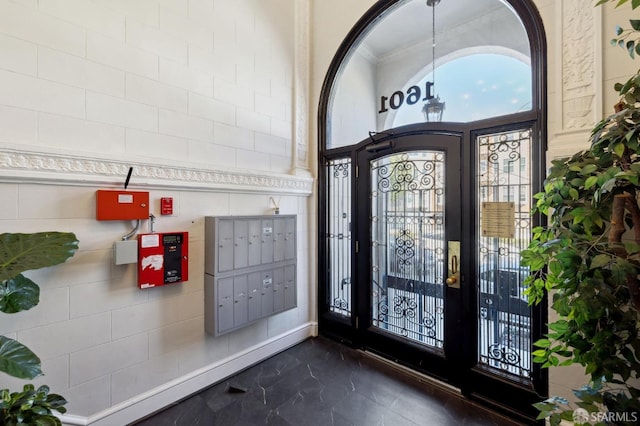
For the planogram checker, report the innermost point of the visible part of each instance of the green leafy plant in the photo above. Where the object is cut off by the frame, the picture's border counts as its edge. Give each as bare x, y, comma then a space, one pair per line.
31, 406
628, 39
20, 253
588, 260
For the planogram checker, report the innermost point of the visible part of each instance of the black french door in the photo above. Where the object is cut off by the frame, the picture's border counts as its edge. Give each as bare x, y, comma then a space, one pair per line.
421, 257
409, 235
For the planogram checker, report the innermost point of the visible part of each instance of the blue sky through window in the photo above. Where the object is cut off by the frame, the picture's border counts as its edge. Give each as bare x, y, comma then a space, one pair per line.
475, 87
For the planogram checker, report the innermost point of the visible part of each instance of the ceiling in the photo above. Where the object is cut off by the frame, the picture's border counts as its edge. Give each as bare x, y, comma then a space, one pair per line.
410, 22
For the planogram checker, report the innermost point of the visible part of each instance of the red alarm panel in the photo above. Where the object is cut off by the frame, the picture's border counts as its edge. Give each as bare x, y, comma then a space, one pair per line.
163, 258
122, 205
166, 206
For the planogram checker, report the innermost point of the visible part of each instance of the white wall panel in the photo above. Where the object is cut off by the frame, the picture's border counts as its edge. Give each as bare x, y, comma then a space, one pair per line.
59, 338
27, 24
28, 92
78, 72
179, 7
186, 77
191, 305
87, 15
18, 55
213, 154
212, 109
143, 11
238, 137
77, 134
185, 126
18, 125
228, 91
248, 119
150, 92
90, 88
89, 397
120, 55
156, 41
175, 336
9, 196
272, 144
120, 112
134, 380
101, 360
40, 202
280, 163
134, 319
183, 28
202, 10
254, 160
153, 145
93, 298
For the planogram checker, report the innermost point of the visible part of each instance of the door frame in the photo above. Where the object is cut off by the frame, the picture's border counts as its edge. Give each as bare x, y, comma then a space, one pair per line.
405, 352
499, 394
505, 394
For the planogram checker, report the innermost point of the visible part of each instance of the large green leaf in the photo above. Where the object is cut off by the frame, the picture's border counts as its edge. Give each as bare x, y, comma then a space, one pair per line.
23, 252
18, 294
17, 360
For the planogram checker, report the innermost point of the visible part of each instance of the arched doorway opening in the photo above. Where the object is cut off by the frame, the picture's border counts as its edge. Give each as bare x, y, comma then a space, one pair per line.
421, 223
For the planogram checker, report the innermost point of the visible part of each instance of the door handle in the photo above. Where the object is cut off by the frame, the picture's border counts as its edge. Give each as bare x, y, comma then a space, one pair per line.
453, 265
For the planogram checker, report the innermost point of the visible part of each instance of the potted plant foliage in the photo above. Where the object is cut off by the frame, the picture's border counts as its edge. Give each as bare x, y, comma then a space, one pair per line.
20, 253
587, 259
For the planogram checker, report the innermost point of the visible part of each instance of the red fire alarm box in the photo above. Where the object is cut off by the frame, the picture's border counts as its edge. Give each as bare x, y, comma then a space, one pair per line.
163, 258
166, 206
121, 205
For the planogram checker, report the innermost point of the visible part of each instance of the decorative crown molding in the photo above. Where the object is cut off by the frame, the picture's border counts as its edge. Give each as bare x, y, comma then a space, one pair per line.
47, 168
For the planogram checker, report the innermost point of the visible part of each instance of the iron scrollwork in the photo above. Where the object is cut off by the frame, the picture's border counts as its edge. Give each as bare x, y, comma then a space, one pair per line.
341, 170
402, 316
503, 146
504, 354
405, 249
407, 175
340, 303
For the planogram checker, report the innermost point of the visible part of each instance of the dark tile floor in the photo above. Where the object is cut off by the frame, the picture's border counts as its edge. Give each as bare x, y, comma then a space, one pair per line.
320, 382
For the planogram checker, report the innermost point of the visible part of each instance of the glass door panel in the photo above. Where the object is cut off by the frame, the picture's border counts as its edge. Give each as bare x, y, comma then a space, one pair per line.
504, 223
338, 237
408, 245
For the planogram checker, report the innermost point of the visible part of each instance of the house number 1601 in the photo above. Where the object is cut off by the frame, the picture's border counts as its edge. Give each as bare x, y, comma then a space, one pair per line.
414, 93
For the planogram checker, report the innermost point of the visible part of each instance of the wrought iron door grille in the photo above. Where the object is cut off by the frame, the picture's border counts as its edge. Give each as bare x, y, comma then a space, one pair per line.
338, 238
504, 192
407, 245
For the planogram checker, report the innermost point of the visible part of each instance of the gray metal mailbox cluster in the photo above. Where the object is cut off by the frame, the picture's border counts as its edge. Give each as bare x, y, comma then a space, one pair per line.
250, 269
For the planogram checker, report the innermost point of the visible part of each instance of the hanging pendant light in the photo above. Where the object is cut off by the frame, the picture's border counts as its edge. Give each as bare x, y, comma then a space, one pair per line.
433, 108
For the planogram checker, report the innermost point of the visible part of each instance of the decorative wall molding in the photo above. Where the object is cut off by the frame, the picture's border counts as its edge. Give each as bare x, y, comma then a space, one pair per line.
46, 168
578, 48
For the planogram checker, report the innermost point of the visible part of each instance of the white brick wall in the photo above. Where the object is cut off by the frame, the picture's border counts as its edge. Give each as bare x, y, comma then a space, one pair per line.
79, 135
18, 125
23, 91
27, 23
18, 55
155, 82
86, 14
120, 55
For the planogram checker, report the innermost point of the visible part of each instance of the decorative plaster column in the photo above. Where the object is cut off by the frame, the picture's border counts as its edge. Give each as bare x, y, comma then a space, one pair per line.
579, 53
300, 140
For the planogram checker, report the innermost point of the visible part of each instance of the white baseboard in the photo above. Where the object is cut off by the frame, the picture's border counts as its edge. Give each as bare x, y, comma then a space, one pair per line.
175, 390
